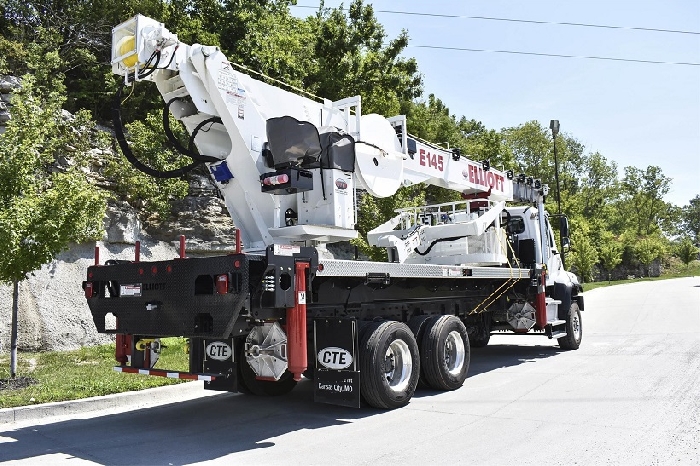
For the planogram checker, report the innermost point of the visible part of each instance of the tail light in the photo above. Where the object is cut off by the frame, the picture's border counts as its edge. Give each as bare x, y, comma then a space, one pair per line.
222, 284
87, 286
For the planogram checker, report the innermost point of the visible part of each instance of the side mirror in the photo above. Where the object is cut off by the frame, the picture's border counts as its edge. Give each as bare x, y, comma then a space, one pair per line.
564, 227
565, 243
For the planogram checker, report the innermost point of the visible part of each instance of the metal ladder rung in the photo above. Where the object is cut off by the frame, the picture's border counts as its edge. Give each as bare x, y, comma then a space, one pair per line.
177, 93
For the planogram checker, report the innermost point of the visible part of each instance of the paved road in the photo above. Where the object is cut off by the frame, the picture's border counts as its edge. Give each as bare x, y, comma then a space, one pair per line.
629, 395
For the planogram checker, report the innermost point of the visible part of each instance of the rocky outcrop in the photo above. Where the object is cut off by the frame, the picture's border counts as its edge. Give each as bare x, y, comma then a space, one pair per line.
628, 271
201, 216
8, 84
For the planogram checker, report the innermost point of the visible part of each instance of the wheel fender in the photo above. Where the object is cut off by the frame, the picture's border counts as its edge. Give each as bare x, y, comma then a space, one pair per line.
562, 292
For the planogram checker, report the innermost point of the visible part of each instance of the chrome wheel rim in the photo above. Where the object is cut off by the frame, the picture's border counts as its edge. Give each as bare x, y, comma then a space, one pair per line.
398, 365
576, 326
454, 353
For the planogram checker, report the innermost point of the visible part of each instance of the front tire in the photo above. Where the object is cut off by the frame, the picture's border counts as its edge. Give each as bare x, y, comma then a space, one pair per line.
445, 353
574, 329
389, 364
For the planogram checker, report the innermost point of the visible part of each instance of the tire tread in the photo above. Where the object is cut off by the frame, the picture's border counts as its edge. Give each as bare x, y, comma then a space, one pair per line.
431, 357
569, 342
373, 389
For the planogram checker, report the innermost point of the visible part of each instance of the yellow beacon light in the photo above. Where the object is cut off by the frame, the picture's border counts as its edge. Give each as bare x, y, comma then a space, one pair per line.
125, 45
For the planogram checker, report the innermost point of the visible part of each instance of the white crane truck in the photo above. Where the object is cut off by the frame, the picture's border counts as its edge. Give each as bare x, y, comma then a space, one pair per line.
290, 170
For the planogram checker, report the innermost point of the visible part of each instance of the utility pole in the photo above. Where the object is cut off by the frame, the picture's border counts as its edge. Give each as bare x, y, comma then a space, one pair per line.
554, 126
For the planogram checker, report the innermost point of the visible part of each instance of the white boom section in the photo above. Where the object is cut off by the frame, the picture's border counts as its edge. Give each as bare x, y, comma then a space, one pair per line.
466, 232
202, 84
208, 86
438, 167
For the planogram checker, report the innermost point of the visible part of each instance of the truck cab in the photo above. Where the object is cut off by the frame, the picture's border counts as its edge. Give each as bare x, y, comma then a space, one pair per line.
525, 231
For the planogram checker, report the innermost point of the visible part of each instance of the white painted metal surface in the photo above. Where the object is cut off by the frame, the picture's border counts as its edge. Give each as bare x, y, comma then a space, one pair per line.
206, 85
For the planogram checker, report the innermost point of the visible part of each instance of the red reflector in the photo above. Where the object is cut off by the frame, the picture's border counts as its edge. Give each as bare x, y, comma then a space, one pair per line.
154, 270
236, 264
320, 267
88, 290
278, 179
222, 284
169, 269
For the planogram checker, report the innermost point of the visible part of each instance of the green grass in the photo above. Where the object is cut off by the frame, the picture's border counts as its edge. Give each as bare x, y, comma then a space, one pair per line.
86, 372
674, 270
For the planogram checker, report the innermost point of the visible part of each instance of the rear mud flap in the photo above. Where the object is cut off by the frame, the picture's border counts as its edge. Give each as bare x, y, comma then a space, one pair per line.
217, 357
337, 379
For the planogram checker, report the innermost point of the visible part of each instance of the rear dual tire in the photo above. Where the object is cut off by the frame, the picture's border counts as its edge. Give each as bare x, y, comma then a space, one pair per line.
392, 361
445, 353
389, 364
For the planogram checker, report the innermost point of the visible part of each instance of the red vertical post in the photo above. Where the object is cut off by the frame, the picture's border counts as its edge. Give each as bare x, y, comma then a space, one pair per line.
147, 356
182, 246
137, 251
123, 349
97, 255
541, 303
238, 241
296, 324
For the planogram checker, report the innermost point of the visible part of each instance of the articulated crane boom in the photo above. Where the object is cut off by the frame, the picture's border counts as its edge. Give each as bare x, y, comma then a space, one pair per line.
310, 157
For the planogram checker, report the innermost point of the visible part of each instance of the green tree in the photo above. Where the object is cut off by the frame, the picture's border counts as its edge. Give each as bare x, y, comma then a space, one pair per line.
686, 251
610, 254
647, 249
46, 200
79, 33
352, 58
583, 254
642, 207
599, 187
531, 147
149, 144
485, 144
265, 37
691, 219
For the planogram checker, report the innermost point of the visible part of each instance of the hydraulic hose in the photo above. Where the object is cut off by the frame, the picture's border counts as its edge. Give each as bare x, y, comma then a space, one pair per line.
189, 152
126, 150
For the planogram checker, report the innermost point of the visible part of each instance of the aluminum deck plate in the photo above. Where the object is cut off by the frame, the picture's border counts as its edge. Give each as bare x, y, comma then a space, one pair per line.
348, 268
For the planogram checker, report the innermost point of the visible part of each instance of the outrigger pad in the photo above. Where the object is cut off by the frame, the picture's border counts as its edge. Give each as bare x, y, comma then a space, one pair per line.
292, 141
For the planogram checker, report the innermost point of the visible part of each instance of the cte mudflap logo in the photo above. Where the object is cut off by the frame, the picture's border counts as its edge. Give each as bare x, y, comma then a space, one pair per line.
219, 350
335, 358
341, 184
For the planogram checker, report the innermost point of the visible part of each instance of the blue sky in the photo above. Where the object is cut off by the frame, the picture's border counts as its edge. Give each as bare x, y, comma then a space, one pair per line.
632, 113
